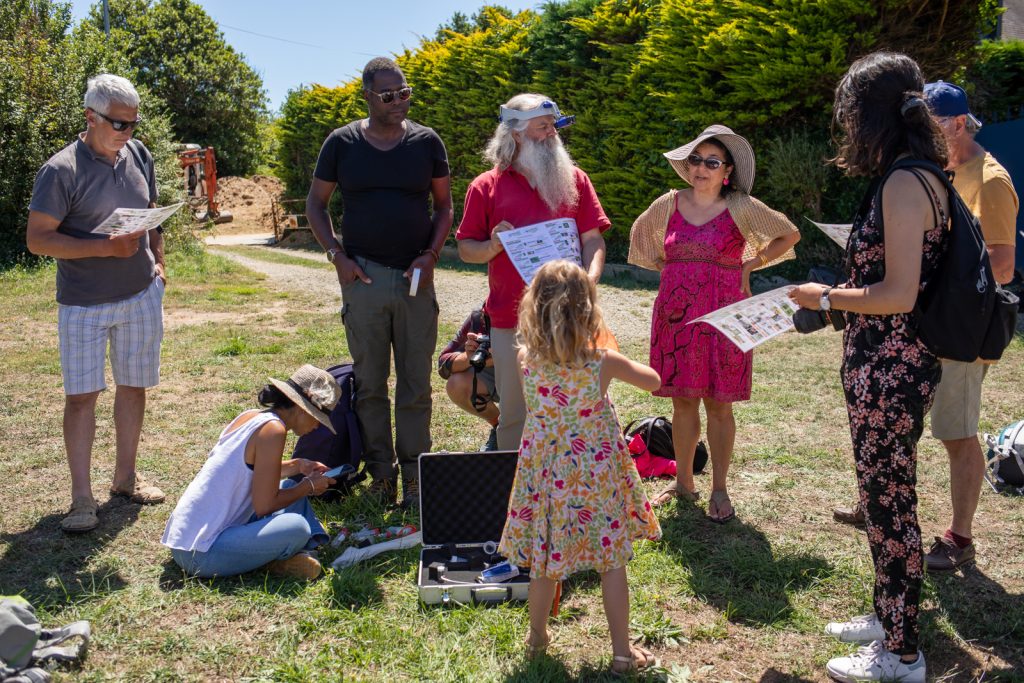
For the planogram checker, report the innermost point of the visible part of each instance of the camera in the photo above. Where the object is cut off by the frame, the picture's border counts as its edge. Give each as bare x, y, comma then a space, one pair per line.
479, 358
806, 321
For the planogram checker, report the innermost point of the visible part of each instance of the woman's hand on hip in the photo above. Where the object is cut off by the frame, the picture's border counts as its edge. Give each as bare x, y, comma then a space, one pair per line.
748, 267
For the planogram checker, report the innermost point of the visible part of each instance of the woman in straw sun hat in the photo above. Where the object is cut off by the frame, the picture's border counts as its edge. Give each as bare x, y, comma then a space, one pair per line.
705, 240
237, 515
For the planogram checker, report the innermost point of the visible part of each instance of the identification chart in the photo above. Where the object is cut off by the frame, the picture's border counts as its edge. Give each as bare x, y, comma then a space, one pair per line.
754, 321
128, 221
531, 246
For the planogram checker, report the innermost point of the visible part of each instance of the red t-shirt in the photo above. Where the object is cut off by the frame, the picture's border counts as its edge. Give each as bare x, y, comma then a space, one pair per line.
497, 196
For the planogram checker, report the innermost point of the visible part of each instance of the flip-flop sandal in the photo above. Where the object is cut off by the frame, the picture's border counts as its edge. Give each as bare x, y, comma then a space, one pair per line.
535, 651
673, 493
717, 498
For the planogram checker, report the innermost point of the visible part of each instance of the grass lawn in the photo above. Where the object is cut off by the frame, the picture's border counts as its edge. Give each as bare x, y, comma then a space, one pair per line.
741, 602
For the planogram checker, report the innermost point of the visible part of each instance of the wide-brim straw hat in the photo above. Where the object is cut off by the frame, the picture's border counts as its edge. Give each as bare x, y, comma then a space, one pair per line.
741, 151
313, 390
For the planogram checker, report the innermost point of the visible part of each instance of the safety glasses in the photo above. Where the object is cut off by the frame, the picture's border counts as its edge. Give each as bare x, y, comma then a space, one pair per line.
118, 125
388, 96
711, 163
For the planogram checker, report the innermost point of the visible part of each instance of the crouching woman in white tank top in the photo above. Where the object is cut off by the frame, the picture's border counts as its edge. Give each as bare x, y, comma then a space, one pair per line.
237, 514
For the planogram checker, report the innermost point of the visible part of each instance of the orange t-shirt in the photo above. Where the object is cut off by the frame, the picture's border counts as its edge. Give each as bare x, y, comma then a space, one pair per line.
988, 191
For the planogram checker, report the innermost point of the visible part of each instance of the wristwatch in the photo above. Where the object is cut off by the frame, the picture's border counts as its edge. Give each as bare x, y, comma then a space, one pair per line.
332, 253
826, 305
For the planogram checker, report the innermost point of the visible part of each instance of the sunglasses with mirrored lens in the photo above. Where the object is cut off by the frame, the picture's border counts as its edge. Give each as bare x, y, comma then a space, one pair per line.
119, 125
711, 163
388, 96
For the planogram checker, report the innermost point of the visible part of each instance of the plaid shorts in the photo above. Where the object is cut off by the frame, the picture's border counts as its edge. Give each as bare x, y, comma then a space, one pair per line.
135, 328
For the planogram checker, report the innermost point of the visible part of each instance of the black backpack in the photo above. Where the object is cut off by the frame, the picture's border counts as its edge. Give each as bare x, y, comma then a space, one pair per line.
657, 435
343, 448
962, 314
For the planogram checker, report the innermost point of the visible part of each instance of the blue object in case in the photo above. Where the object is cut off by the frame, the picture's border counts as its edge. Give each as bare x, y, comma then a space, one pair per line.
503, 571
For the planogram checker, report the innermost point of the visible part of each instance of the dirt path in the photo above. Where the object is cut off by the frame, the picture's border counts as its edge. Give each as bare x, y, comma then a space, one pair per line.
627, 311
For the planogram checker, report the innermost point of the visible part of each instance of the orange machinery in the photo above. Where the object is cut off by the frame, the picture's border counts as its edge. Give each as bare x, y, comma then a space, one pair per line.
200, 167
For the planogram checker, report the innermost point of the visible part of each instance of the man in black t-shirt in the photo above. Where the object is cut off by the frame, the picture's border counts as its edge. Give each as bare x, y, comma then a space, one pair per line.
390, 170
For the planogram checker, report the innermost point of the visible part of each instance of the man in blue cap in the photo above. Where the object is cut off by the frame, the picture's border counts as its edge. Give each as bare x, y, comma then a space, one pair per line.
987, 189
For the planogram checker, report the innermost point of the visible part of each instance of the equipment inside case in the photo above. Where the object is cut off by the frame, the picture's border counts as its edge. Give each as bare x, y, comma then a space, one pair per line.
463, 505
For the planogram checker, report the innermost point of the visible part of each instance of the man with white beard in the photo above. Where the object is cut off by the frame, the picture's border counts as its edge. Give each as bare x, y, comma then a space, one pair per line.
534, 180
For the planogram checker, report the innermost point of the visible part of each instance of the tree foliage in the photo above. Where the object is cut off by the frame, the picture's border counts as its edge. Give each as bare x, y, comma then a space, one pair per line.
644, 76
43, 73
996, 80
214, 98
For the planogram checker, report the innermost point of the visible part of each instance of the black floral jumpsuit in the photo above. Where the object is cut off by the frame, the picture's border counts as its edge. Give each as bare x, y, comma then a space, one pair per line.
889, 378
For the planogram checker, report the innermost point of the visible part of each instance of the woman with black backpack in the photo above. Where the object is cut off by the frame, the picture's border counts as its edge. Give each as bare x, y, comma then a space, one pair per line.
889, 375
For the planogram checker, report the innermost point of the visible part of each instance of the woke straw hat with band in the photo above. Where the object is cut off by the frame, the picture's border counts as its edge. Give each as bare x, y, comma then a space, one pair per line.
545, 108
313, 390
740, 150
946, 99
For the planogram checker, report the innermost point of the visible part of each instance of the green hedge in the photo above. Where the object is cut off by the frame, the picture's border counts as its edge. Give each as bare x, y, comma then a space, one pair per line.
644, 76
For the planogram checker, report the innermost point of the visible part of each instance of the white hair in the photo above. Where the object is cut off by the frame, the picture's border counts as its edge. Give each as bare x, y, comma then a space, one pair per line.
106, 89
501, 148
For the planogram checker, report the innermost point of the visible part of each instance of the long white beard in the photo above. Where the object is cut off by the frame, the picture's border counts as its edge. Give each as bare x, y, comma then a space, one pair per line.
550, 170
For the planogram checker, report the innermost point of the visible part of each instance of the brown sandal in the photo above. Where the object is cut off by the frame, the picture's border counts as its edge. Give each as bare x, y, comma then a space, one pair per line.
81, 517
639, 658
673, 492
720, 499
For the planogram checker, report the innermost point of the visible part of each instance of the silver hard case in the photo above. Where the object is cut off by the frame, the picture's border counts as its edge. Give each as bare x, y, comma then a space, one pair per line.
463, 504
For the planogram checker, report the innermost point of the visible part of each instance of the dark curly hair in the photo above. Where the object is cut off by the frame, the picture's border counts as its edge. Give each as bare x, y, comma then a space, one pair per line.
880, 114
375, 66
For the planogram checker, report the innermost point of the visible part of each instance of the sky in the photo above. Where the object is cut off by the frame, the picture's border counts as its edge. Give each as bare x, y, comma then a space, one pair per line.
324, 41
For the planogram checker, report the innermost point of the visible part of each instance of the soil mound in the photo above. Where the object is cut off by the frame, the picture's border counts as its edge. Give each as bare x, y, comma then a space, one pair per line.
249, 201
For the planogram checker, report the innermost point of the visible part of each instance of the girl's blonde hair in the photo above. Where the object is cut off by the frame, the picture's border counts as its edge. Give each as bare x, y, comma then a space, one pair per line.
559, 319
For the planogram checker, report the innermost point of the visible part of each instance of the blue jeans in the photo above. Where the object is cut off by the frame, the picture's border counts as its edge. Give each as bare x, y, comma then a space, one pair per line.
241, 549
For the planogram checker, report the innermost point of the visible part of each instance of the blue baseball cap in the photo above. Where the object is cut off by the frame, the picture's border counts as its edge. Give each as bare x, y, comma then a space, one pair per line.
946, 99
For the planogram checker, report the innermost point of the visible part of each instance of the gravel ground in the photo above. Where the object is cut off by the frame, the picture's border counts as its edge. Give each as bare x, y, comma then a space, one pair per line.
627, 311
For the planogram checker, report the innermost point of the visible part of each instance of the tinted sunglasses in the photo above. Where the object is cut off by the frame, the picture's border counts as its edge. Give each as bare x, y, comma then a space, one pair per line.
388, 96
118, 125
711, 163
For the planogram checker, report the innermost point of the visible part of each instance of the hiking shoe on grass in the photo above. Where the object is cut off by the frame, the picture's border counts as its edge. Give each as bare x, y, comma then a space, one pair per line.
81, 517
385, 491
865, 629
410, 493
492, 440
853, 515
875, 663
945, 555
299, 566
140, 491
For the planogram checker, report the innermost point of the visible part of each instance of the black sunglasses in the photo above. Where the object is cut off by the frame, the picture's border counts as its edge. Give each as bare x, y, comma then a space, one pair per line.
118, 125
388, 96
710, 162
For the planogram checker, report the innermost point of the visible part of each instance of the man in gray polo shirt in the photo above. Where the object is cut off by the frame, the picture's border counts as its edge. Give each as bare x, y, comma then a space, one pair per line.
108, 289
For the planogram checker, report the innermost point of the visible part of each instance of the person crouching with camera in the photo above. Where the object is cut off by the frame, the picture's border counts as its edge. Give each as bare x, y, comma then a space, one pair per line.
467, 365
889, 375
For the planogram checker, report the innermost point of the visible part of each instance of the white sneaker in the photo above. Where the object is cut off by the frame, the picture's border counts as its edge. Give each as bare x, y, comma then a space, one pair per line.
865, 629
875, 663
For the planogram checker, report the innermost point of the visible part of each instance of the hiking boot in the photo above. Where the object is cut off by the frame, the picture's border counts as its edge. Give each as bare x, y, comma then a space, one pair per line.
140, 491
410, 493
945, 555
865, 629
853, 515
492, 440
81, 517
385, 491
299, 566
875, 663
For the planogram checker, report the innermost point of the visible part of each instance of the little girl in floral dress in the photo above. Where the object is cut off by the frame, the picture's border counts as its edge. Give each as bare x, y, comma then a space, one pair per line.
577, 502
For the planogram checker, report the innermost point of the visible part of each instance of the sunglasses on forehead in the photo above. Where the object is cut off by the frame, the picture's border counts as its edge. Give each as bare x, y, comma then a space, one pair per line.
710, 162
118, 125
388, 96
